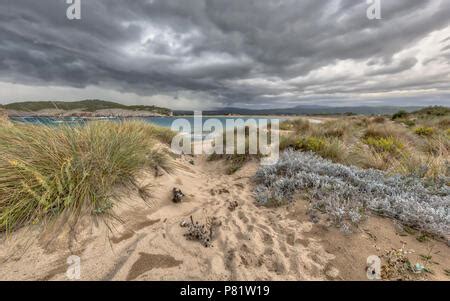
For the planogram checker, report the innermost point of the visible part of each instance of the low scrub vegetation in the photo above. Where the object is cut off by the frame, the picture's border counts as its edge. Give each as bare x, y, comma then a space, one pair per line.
311, 143
399, 115
346, 193
415, 143
46, 172
384, 145
424, 131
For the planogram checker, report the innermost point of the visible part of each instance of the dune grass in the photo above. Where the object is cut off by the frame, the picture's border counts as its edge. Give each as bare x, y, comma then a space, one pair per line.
414, 143
49, 171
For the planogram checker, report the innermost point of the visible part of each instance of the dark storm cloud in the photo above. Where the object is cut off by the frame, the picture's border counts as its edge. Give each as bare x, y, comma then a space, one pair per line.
233, 51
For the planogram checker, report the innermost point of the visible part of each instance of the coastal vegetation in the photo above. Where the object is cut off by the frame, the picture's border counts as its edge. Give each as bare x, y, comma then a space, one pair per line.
47, 172
347, 193
414, 144
346, 167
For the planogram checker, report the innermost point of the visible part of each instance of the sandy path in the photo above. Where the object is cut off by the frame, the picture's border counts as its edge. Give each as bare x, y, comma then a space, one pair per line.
252, 243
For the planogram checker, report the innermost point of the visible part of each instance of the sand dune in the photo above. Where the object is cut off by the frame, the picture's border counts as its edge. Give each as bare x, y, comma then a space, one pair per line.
146, 242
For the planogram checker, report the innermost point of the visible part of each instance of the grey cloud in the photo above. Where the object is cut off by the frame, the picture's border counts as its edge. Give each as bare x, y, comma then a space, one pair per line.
394, 68
210, 47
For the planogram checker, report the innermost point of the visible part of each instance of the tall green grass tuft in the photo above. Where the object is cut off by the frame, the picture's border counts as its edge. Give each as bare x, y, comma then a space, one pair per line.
49, 171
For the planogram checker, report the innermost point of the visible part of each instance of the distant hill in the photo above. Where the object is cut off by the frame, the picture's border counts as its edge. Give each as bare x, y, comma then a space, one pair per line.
101, 107
434, 111
309, 110
92, 105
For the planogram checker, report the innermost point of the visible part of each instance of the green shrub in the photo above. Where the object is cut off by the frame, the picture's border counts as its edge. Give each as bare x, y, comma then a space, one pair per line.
424, 131
382, 144
314, 144
409, 123
400, 114
331, 148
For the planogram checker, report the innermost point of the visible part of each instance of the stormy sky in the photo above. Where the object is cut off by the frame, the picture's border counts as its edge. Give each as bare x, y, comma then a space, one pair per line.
194, 54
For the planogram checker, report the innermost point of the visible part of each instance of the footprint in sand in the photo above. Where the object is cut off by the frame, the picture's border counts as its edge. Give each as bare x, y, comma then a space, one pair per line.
273, 262
125, 236
242, 216
290, 238
266, 237
147, 262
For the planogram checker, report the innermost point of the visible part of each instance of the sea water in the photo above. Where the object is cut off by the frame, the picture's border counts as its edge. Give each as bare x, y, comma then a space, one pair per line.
163, 121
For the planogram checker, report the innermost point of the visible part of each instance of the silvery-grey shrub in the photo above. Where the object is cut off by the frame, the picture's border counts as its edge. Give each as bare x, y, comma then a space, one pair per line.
345, 192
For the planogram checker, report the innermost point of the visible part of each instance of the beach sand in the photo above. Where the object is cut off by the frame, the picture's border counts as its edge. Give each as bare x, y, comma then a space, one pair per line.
146, 242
